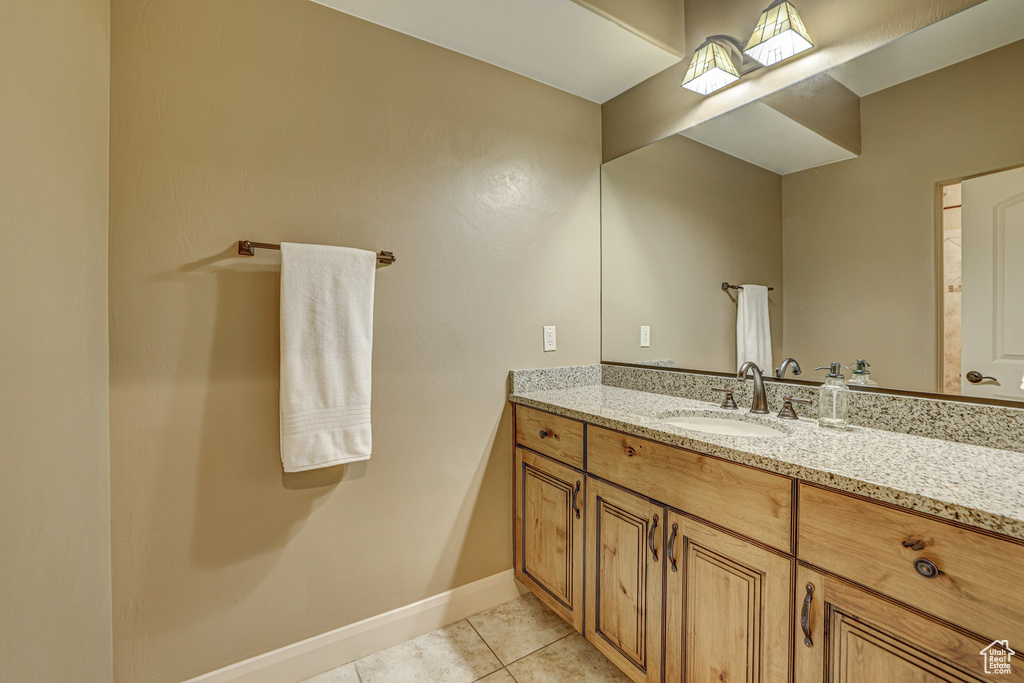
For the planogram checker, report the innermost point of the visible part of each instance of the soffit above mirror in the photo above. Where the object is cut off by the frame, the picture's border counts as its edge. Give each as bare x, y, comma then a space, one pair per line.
557, 42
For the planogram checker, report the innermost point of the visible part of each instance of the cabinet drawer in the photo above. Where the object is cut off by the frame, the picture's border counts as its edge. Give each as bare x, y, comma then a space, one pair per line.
980, 580
556, 437
751, 502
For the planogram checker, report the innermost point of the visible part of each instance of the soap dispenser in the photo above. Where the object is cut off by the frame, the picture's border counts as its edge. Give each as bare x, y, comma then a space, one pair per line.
832, 399
861, 375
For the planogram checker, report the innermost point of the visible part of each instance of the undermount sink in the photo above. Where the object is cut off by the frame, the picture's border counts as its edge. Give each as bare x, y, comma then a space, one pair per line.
725, 425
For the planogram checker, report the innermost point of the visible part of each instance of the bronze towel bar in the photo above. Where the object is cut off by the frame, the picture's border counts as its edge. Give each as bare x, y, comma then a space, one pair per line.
726, 285
245, 248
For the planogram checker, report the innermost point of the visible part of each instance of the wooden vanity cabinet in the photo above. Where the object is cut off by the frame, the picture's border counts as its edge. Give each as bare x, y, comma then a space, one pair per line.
845, 634
691, 572
624, 579
548, 539
727, 606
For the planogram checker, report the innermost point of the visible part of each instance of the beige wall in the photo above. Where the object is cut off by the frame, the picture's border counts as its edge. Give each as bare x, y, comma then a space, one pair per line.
841, 30
284, 120
860, 235
54, 488
672, 232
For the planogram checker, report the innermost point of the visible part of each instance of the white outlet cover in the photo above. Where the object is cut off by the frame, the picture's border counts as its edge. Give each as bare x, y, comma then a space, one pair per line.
549, 338
645, 336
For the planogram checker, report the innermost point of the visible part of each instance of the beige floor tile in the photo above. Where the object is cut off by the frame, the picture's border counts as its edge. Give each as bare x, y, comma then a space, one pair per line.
570, 660
343, 674
518, 627
501, 676
453, 654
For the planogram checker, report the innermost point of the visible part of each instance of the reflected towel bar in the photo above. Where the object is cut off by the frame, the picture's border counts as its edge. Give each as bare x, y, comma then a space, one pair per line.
245, 248
725, 285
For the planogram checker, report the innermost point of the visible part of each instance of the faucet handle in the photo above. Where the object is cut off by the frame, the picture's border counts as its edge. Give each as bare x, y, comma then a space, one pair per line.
787, 412
729, 403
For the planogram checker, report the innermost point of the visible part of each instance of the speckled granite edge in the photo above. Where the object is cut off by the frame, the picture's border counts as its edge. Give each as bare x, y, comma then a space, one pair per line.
969, 423
998, 523
546, 379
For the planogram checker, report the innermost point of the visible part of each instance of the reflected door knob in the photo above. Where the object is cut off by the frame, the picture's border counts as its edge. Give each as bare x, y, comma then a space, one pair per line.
974, 377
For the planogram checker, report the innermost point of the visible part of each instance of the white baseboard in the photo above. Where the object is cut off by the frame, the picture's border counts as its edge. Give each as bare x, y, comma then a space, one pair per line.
306, 658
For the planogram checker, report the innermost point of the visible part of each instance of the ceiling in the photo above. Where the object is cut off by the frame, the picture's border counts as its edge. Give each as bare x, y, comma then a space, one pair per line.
556, 42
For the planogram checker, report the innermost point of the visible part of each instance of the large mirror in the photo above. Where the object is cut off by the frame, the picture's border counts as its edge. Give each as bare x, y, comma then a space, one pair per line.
882, 203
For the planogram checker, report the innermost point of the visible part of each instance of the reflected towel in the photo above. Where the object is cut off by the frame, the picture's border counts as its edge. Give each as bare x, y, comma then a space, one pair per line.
326, 355
753, 332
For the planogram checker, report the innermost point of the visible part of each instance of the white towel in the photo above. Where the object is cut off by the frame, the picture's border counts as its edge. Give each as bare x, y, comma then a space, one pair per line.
753, 332
326, 355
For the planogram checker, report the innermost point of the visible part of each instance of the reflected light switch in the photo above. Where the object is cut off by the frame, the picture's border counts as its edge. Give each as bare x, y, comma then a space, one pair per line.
645, 336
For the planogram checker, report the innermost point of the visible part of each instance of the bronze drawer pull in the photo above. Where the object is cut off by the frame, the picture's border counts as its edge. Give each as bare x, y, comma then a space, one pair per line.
805, 616
926, 568
545, 434
671, 545
575, 495
650, 538
630, 451
914, 545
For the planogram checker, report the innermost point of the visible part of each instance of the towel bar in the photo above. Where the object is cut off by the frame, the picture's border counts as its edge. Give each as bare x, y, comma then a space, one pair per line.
245, 248
725, 286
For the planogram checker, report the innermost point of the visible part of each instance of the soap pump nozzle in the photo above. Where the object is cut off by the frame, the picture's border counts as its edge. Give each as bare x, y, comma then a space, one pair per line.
861, 374
834, 371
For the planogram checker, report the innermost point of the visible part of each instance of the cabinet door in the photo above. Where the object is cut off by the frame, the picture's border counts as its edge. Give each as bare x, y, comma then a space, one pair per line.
845, 634
624, 579
548, 544
727, 607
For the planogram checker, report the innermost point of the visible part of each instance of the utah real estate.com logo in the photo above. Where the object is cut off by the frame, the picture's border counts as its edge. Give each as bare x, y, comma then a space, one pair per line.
997, 657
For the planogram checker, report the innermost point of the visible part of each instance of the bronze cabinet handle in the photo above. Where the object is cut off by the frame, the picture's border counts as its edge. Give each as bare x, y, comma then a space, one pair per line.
914, 545
650, 538
926, 568
671, 546
630, 451
805, 616
545, 434
575, 497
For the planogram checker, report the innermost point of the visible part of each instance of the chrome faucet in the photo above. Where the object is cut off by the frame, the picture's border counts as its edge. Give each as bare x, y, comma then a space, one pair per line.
760, 403
780, 372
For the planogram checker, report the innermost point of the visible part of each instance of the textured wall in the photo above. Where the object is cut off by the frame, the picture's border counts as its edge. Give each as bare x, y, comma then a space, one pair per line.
284, 120
672, 232
54, 487
841, 30
876, 297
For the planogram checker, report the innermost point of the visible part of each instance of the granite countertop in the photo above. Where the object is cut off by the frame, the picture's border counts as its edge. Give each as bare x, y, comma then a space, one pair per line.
982, 487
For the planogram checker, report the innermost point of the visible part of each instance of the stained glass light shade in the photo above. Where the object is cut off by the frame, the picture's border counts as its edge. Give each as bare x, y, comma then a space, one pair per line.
710, 69
779, 34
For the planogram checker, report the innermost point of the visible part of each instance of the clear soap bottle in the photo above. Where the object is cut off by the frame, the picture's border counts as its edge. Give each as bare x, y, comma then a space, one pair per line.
861, 376
832, 399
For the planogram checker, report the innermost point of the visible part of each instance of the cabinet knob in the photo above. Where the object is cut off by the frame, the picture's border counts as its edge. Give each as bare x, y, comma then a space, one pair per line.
926, 568
630, 451
545, 434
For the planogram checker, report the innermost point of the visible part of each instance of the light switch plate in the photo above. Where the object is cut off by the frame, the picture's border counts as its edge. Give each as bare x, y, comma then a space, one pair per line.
645, 336
549, 337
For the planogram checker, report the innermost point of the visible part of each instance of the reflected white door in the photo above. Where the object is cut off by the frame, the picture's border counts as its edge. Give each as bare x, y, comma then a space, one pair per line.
993, 284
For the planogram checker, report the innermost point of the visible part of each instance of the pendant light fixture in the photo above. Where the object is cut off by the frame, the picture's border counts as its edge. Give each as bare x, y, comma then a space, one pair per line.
712, 67
779, 34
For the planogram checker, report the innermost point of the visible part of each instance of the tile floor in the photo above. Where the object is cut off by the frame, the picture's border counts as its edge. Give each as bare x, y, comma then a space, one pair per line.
521, 641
